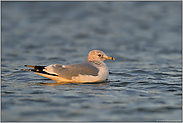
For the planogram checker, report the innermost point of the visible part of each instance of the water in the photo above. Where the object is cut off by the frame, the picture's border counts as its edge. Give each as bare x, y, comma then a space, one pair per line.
144, 83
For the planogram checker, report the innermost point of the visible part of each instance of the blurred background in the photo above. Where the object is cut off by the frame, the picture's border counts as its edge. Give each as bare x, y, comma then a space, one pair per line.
145, 79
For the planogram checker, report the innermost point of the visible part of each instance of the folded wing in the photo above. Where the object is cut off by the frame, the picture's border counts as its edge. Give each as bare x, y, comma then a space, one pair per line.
65, 71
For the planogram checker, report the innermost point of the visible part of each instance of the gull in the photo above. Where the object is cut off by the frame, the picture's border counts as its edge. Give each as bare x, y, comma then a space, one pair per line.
95, 70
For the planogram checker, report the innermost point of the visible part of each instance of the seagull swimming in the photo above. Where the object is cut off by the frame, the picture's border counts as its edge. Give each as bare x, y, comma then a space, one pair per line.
95, 70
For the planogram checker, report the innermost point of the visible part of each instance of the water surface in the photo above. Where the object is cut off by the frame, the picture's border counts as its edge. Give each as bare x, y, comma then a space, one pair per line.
144, 83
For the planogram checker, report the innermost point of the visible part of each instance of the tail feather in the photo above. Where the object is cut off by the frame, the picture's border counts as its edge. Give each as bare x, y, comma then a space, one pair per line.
38, 69
30, 66
35, 68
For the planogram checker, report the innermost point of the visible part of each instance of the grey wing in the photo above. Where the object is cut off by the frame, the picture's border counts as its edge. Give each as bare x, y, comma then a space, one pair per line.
74, 70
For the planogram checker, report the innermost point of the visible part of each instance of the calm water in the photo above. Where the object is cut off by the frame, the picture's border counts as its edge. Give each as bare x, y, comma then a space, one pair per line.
145, 80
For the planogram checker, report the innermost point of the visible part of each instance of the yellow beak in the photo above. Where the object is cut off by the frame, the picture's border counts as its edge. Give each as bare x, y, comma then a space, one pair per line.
111, 58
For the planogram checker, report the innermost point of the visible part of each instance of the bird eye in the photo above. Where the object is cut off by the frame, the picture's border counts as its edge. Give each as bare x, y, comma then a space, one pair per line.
99, 55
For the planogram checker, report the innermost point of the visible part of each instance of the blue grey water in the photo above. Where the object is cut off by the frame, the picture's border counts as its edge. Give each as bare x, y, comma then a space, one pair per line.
145, 80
